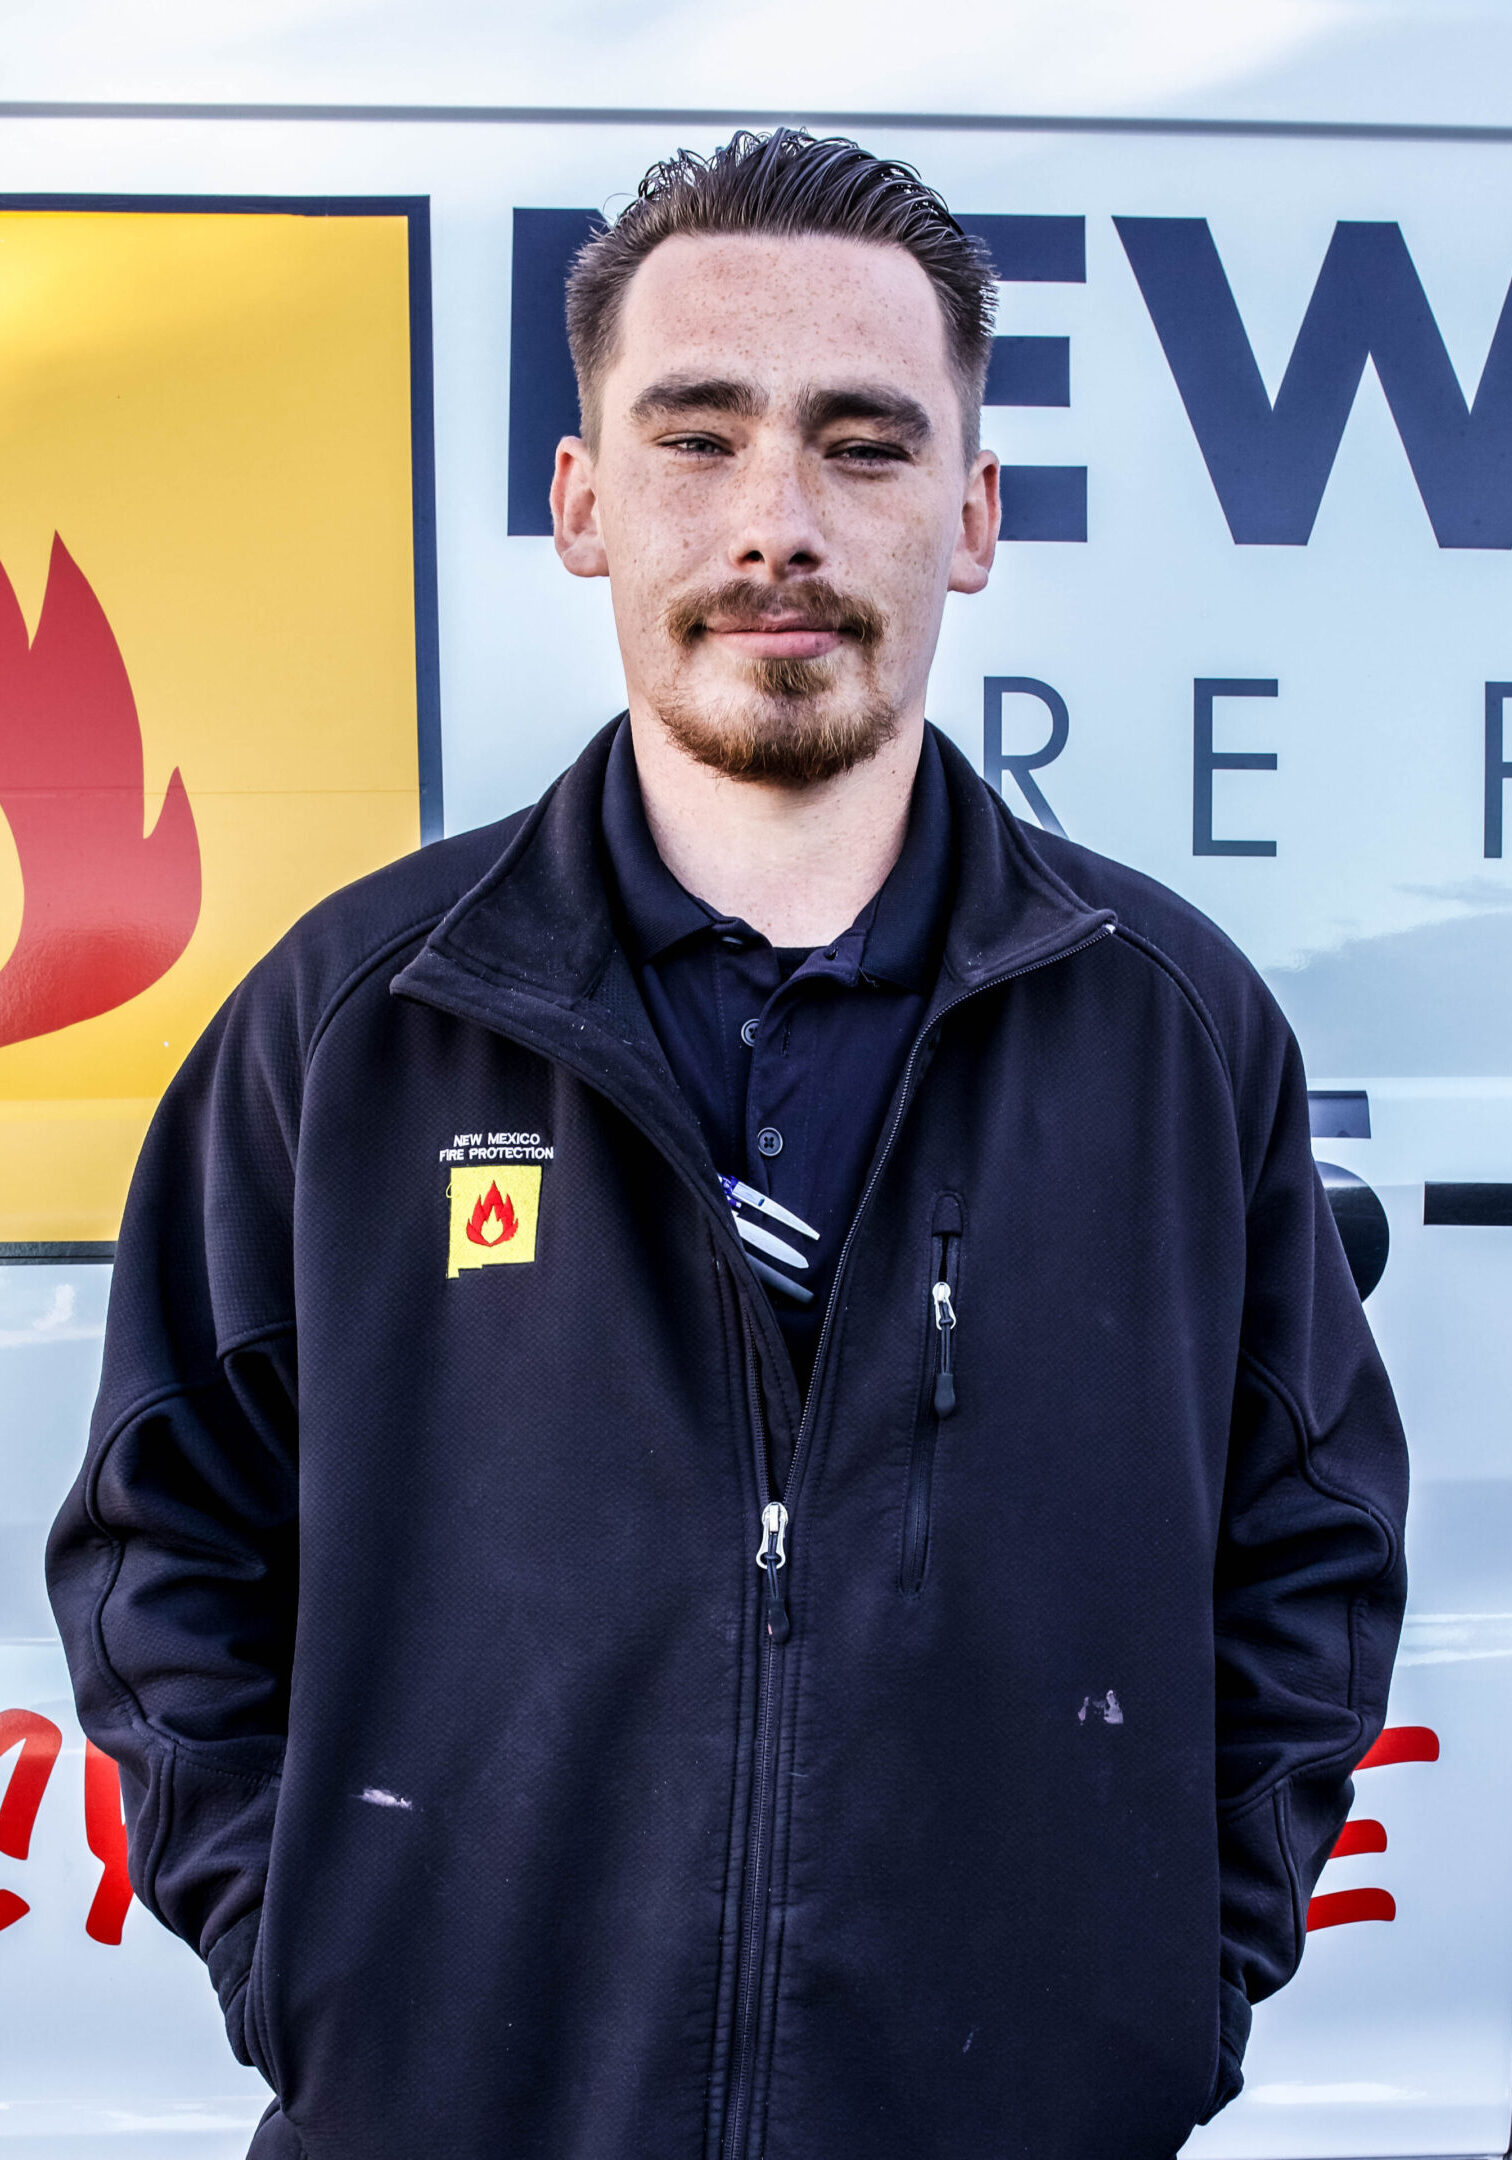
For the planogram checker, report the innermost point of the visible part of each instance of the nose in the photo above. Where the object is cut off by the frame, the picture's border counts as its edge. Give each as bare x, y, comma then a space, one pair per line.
776, 524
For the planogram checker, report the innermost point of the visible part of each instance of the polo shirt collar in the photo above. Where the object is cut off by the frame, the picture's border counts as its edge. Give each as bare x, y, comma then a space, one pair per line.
894, 939
656, 911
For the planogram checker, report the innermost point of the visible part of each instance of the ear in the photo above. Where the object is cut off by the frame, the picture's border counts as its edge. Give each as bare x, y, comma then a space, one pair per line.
981, 515
574, 510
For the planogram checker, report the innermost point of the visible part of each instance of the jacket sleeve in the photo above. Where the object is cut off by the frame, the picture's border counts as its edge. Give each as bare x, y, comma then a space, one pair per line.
172, 1566
1309, 1582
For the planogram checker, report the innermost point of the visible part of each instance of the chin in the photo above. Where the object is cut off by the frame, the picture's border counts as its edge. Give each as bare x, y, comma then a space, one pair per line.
795, 742
789, 722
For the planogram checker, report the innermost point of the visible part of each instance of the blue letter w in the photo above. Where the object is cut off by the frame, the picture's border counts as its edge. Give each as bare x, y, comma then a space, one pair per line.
1270, 464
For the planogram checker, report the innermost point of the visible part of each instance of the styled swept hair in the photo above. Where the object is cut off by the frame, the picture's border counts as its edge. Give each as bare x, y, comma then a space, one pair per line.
785, 184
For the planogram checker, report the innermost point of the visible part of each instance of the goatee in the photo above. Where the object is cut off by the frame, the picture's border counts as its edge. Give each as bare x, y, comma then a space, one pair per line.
789, 729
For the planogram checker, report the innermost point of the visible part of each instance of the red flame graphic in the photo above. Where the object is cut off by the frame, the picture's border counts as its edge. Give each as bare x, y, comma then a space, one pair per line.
1340, 1908
491, 1208
105, 1834
40, 1741
1361, 1834
1402, 1743
107, 907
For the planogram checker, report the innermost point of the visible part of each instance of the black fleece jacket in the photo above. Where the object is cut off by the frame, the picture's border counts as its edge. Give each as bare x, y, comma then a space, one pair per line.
515, 1809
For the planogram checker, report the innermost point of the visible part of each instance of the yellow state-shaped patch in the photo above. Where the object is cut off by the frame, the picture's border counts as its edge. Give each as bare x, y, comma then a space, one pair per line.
494, 1209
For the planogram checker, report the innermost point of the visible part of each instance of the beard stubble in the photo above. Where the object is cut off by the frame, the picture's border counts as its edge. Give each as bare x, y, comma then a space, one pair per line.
793, 727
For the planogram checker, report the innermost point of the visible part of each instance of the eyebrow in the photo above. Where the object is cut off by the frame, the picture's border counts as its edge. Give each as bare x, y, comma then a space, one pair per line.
699, 393
817, 408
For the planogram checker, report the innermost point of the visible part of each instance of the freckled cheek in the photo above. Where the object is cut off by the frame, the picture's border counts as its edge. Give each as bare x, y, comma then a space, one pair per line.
910, 570
663, 532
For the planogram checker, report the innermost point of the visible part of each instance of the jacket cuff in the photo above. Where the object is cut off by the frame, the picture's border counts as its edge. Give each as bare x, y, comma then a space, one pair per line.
230, 1963
1234, 2015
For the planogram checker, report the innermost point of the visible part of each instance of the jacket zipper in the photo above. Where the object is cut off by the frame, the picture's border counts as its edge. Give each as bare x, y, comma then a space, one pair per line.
771, 1559
776, 1623
941, 1404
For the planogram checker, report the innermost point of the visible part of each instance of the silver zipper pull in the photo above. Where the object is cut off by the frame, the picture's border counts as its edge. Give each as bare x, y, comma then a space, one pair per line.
770, 1557
945, 1320
772, 1551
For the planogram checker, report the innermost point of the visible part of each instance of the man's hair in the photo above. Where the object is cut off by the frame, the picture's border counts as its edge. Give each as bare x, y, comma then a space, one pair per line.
785, 184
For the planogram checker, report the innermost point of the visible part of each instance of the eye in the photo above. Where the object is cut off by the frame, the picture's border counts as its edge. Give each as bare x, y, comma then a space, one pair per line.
867, 450
695, 445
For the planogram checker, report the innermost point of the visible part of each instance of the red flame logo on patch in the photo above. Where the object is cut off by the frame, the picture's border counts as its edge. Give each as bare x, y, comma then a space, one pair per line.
490, 1208
107, 907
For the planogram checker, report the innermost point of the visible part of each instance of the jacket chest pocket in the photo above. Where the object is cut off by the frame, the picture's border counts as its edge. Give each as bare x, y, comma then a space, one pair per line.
938, 1395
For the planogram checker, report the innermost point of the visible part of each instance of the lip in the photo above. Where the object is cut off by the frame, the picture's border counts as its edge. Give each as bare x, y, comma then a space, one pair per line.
791, 641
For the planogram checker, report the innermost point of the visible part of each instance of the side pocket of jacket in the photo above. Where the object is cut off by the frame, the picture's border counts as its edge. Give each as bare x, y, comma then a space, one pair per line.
230, 1961
1234, 2016
254, 2015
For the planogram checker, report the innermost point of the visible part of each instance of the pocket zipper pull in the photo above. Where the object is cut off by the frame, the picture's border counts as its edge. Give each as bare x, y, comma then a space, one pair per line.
771, 1558
945, 1320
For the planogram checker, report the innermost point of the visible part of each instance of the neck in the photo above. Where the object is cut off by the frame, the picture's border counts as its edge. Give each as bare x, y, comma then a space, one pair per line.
796, 863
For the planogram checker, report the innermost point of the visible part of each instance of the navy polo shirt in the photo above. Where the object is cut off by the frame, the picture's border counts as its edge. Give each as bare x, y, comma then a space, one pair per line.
789, 1058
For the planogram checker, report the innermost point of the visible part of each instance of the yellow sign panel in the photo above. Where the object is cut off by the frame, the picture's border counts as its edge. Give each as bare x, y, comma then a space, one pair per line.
493, 1215
208, 705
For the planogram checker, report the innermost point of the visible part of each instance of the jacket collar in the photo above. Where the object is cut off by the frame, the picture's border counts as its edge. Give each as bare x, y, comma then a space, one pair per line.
531, 952
538, 926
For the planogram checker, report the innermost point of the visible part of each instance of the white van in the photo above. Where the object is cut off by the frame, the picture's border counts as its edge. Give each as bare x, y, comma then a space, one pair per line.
1249, 631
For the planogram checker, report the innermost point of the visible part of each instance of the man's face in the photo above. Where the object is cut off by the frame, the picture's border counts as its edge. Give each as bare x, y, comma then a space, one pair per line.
779, 498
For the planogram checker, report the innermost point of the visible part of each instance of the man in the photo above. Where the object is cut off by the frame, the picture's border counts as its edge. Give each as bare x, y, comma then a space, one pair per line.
763, 1151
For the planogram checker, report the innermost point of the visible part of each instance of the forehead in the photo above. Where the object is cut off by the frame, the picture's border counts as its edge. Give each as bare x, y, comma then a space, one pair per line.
781, 310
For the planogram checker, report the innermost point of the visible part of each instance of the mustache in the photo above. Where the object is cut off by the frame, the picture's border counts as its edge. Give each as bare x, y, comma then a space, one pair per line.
814, 604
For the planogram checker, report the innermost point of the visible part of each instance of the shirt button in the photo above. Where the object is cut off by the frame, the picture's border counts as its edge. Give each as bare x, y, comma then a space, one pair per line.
735, 944
748, 1030
769, 1141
